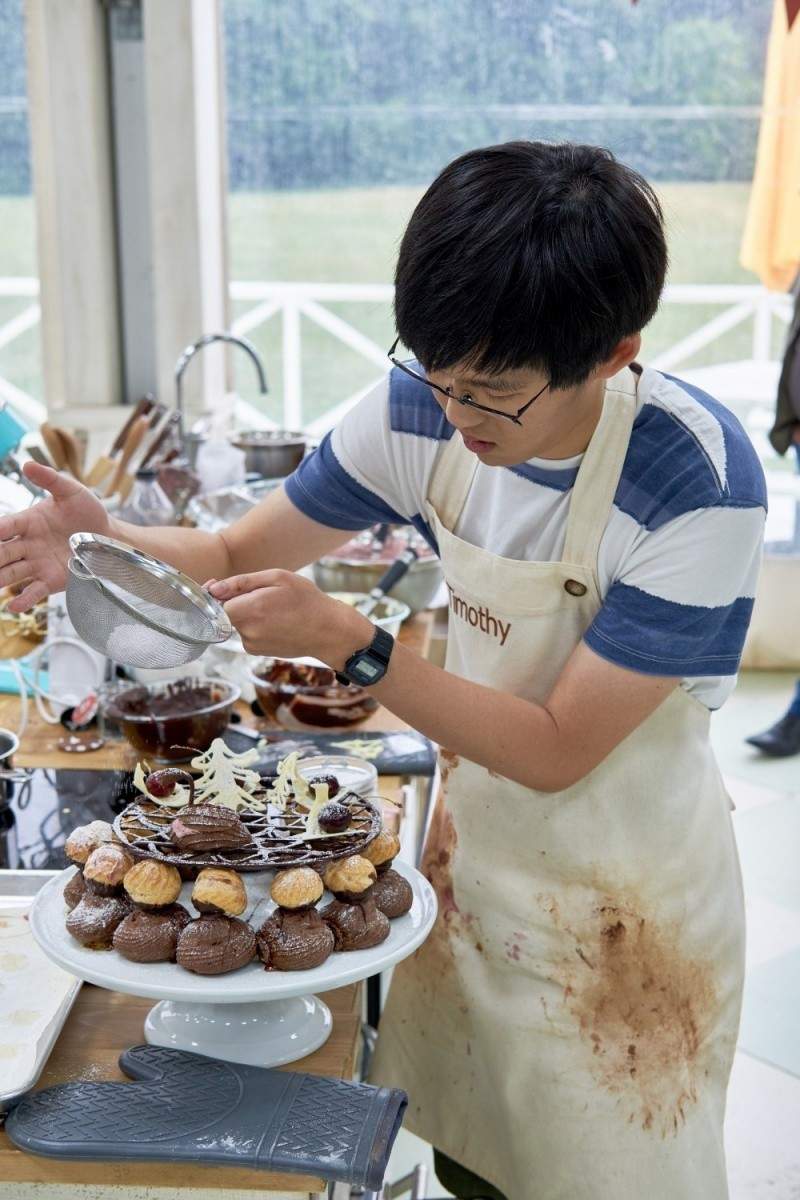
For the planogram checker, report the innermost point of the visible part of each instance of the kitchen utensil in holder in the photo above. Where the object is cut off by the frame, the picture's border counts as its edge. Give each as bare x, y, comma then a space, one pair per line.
137, 610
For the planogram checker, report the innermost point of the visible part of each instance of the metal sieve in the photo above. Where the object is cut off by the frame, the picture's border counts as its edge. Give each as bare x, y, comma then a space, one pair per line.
136, 609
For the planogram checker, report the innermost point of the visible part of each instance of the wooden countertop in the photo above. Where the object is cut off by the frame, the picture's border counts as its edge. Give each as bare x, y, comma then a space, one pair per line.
103, 1023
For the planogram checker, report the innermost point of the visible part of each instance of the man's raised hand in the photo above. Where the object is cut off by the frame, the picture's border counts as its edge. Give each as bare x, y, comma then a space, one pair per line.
34, 544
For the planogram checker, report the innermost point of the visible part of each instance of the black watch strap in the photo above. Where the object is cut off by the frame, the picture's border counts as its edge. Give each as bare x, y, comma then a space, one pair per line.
369, 665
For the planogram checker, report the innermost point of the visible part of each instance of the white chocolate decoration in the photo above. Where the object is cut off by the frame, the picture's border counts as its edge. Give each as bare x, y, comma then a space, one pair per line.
225, 779
321, 797
289, 783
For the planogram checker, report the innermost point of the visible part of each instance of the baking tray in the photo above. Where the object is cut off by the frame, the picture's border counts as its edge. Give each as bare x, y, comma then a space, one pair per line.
27, 1034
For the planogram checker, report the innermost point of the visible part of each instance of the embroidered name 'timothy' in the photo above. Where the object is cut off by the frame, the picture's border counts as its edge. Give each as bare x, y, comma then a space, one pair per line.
479, 617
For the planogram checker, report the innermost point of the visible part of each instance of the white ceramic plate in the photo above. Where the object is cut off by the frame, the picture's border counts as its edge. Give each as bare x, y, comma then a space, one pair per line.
167, 981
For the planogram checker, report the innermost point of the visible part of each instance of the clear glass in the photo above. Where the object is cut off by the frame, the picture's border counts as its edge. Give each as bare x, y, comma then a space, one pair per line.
341, 113
147, 504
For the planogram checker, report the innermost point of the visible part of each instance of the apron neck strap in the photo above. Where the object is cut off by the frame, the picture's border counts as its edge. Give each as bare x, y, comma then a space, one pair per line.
594, 488
450, 480
599, 473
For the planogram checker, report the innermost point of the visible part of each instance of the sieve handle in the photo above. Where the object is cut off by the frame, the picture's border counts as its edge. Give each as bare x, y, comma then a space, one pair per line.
83, 573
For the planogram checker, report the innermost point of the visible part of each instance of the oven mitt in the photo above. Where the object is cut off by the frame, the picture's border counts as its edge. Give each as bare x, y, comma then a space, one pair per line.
187, 1106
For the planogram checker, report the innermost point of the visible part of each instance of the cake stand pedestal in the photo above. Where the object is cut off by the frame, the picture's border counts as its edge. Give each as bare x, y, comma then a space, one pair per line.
261, 1018
269, 1033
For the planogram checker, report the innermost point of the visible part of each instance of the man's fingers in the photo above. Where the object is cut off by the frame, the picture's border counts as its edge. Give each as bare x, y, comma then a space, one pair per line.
236, 585
32, 594
239, 585
15, 572
11, 551
60, 487
239, 609
14, 525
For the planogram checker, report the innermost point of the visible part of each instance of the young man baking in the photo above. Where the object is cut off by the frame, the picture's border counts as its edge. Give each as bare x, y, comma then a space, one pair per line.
567, 1031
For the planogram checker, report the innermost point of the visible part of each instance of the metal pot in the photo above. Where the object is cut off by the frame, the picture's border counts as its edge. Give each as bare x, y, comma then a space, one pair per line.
9, 775
416, 589
271, 453
9, 744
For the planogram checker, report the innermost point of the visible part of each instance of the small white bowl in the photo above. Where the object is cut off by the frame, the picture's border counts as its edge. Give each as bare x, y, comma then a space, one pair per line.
354, 774
389, 613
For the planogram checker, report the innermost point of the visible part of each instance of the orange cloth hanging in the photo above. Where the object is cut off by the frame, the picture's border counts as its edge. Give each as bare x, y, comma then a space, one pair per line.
771, 240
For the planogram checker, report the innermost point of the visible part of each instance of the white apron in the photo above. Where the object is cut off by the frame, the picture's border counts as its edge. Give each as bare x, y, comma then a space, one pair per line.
568, 1029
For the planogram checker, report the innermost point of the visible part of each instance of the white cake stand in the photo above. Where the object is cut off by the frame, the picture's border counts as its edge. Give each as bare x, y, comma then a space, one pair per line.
263, 1018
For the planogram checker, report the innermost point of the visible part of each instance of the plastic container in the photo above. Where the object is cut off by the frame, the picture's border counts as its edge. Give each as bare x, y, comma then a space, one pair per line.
388, 612
220, 465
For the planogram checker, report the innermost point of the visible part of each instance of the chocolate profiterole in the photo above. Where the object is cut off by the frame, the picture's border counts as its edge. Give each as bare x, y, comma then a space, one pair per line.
294, 937
79, 845
354, 918
73, 892
203, 827
86, 838
219, 890
94, 920
153, 884
215, 944
392, 893
106, 868
151, 936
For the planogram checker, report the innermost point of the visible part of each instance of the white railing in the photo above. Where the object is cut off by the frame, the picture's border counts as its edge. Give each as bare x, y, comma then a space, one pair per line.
295, 303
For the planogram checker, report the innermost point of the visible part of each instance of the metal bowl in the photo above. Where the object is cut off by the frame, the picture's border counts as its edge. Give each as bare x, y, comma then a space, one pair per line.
271, 453
416, 589
217, 510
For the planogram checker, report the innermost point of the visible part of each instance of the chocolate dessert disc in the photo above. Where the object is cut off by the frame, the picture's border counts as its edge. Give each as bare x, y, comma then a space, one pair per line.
277, 837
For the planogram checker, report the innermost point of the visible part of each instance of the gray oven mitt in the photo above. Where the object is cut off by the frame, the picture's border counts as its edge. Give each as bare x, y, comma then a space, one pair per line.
187, 1106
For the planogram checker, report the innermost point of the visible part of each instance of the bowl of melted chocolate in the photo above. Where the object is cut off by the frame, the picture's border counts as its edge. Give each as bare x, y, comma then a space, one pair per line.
174, 720
301, 695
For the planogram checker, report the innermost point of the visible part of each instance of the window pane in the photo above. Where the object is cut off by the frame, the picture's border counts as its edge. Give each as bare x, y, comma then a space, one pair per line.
340, 112
20, 349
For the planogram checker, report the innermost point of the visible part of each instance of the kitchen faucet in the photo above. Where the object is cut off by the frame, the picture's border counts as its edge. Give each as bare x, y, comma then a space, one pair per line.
207, 340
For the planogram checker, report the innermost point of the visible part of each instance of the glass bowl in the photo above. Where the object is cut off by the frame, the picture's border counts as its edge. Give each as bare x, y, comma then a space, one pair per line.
173, 720
296, 694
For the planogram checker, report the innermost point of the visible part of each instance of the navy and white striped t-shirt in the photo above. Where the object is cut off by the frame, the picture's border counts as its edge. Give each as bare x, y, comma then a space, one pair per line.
679, 558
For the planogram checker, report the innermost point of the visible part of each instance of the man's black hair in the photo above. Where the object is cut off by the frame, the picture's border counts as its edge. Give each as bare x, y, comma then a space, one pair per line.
530, 255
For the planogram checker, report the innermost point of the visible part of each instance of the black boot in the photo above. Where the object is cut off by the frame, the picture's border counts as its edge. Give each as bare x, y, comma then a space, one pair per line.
781, 739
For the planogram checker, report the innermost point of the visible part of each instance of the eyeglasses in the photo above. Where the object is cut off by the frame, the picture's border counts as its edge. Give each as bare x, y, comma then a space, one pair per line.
466, 399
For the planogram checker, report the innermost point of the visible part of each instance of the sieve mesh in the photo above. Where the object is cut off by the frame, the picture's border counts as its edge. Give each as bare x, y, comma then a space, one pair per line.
137, 610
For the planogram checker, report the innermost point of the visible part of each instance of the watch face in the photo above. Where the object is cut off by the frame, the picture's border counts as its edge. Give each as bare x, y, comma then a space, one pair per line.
366, 671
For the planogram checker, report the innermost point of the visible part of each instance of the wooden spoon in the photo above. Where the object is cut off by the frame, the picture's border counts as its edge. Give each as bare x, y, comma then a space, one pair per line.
53, 445
105, 464
72, 452
132, 443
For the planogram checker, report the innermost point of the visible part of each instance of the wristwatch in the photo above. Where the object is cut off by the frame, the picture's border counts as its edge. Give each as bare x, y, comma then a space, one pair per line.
369, 665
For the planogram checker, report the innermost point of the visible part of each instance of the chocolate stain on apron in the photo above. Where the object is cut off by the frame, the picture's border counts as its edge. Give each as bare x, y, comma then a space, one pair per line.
567, 1031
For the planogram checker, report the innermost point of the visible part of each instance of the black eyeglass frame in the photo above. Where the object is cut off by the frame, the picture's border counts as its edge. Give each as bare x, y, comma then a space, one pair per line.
466, 399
